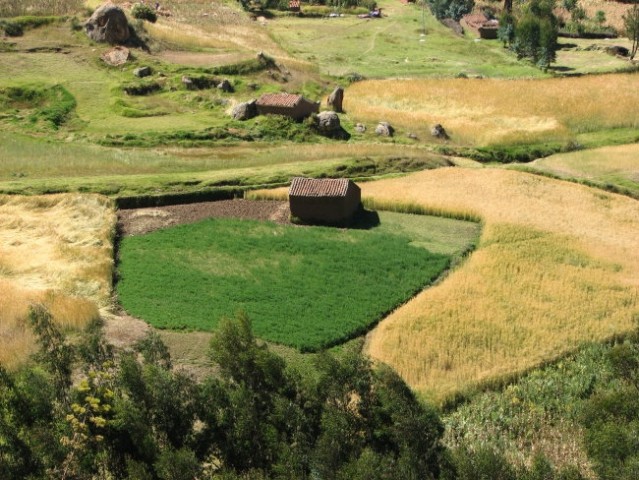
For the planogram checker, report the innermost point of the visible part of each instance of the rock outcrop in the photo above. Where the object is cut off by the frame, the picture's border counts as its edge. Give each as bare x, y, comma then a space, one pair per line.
335, 99
438, 131
384, 129
244, 111
108, 24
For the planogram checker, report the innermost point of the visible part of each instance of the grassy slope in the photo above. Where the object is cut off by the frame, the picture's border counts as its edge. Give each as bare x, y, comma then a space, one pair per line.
393, 47
35, 166
306, 287
555, 266
603, 166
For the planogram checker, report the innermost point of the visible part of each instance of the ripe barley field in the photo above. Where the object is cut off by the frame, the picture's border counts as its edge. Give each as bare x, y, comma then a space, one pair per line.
556, 266
55, 250
481, 112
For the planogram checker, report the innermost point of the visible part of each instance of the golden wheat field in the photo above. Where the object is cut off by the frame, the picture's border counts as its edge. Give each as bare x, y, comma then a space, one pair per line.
55, 250
492, 111
557, 265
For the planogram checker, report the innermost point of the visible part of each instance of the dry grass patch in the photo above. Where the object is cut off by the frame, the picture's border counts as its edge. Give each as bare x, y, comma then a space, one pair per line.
56, 250
556, 266
490, 111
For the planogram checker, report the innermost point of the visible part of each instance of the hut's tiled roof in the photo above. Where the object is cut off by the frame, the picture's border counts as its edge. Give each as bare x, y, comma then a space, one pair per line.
322, 187
279, 100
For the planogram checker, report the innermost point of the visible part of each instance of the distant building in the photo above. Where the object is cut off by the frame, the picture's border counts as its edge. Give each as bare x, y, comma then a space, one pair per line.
328, 200
294, 5
287, 104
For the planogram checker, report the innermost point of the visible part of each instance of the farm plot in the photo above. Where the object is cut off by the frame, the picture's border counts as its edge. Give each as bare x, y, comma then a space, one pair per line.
556, 266
305, 287
481, 112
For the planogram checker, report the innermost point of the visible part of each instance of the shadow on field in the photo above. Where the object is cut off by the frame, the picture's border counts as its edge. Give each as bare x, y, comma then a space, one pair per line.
365, 220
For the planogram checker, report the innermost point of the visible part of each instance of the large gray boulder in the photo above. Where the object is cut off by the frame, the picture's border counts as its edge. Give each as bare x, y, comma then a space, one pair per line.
225, 86
328, 122
438, 131
142, 72
108, 24
245, 111
384, 129
335, 99
360, 128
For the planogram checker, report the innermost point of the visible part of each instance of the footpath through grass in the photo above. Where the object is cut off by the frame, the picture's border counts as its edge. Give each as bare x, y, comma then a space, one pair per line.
305, 287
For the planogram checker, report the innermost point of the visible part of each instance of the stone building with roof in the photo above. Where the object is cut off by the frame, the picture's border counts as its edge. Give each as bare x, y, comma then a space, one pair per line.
325, 200
287, 104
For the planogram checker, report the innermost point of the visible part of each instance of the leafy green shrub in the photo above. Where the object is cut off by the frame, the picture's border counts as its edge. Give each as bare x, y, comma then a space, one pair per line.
51, 104
142, 11
11, 29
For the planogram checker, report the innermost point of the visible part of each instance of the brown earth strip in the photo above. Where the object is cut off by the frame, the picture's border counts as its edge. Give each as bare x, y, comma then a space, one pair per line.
144, 220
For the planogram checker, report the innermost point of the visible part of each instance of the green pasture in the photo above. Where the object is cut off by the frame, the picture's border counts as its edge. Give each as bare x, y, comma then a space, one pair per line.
606, 167
580, 56
305, 287
394, 46
37, 165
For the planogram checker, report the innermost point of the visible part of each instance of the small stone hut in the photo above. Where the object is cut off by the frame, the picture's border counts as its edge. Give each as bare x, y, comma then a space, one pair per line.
287, 104
326, 200
294, 5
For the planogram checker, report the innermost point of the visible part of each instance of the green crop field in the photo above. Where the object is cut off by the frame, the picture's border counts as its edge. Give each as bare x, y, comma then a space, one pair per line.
305, 287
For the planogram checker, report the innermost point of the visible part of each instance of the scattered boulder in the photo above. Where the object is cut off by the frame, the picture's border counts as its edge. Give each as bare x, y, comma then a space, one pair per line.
108, 24
411, 135
188, 82
360, 128
245, 111
327, 122
335, 99
617, 50
384, 129
225, 86
116, 56
438, 131
199, 83
142, 72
